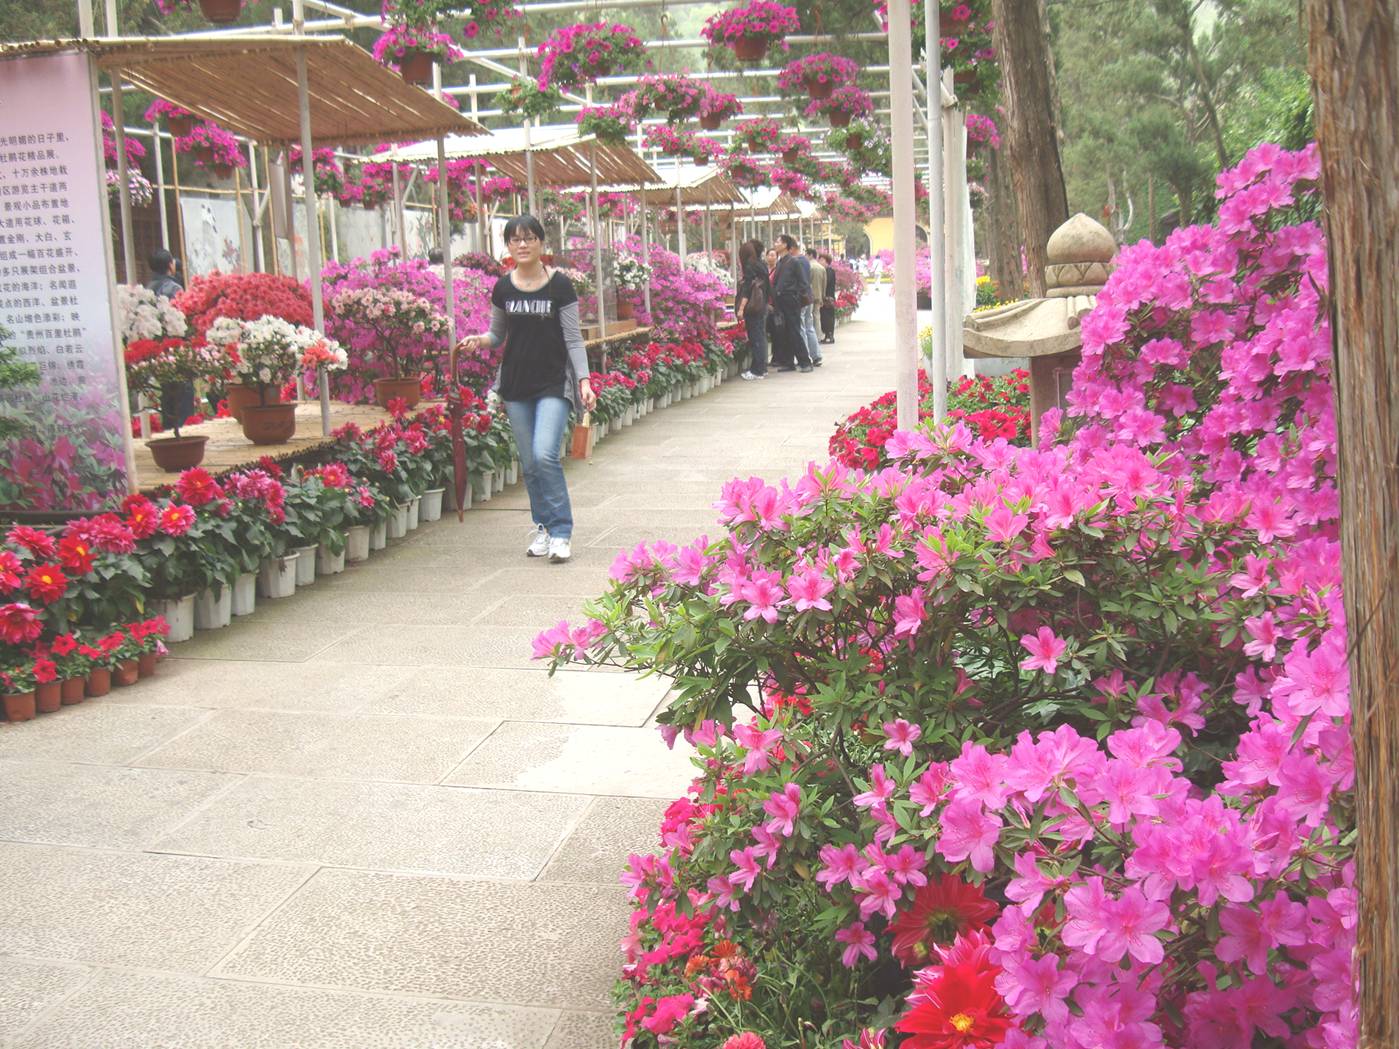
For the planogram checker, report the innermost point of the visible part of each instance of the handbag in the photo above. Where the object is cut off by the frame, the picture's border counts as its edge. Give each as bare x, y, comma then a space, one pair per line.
582, 437
757, 304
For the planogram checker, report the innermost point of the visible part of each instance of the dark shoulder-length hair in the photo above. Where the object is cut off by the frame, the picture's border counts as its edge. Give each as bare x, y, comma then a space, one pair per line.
524, 224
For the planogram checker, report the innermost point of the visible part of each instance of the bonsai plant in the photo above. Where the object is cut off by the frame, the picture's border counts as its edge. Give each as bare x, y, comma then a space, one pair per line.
751, 29
157, 367
265, 353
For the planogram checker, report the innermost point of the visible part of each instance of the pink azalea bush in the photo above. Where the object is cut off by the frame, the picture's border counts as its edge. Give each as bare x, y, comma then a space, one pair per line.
1029, 747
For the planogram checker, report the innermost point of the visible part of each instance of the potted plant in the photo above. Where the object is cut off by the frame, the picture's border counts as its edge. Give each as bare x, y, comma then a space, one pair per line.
675, 143
578, 54
761, 135
175, 566
17, 690
718, 107
751, 29
368, 511
148, 634
72, 666
844, 105
413, 49
212, 148
327, 176
99, 670
818, 75
123, 648
178, 121
265, 353
677, 97
794, 147
632, 275
393, 317
610, 124
330, 487
300, 530
528, 99
158, 367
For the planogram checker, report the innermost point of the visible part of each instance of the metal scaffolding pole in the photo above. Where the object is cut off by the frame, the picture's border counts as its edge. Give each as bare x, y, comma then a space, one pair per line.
160, 191
313, 226
937, 218
128, 243
905, 214
680, 224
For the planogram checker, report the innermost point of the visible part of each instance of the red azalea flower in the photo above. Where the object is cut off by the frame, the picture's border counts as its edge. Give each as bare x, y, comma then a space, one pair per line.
75, 555
19, 624
46, 583
9, 570
198, 487
176, 520
944, 909
38, 543
955, 1005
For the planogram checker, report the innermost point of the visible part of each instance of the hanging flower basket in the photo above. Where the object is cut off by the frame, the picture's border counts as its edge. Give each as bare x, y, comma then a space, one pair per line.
716, 108
180, 126
221, 12
750, 30
839, 118
790, 156
750, 48
223, 171
416, 67
678, 98
579, 54
414, 49
818, 75
710, 122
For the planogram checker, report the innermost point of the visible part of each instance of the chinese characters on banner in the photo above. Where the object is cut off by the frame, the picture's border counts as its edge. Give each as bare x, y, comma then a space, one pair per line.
55, 291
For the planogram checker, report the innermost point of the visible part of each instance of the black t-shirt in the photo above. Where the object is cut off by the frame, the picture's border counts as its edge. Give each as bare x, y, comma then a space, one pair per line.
536, 360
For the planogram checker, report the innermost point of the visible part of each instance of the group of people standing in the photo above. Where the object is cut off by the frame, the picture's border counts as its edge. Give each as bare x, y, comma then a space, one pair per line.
781, 294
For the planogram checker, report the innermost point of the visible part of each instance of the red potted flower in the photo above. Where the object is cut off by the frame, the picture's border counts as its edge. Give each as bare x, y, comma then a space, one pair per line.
750, 30
818, 75
17, 691
73, 665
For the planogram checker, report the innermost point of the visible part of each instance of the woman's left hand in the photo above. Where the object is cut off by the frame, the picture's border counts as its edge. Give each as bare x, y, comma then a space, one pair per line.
586, 395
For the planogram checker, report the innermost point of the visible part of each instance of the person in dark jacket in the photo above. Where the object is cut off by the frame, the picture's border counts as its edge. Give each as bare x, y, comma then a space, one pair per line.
792, 290
753, 302
828, 304
176, 398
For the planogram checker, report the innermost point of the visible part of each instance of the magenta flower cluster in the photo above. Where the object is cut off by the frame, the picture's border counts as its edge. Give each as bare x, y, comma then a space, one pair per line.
758, 20
982, 130
820, 68
579, 54
849, 99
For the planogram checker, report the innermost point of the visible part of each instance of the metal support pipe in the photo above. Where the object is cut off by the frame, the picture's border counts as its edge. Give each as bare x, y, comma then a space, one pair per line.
291, 215
645, 247
400, 234
955, 174
482, 223
905, 214
128, 243
680, 225
529, 149
259, 252
313, 225
160, 191
937, 216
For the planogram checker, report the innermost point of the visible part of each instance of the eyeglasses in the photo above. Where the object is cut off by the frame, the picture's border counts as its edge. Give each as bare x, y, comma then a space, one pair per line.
523, 242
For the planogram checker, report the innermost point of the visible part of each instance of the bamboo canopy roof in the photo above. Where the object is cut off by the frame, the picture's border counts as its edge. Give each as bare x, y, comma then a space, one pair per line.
248, 84
562, 157
697, 186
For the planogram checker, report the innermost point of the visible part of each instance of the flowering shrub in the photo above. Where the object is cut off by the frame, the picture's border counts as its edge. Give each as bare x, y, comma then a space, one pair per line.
479, 260
395, 317
631, 273
242, 296
152, 364
717, 105
865, 145
529, 98
611, 124
847, 209
982, 130
762, 20
760, 135
461, 188
820, 69
579, 54
1051, 745
743, 171
266, 352
398, 41
790, 181
142, 314
138, 187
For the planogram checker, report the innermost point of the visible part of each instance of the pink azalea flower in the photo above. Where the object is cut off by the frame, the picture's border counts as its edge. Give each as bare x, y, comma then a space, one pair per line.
881, 789
808, 591
859, 943
838, 865
901, 736
1045, 648
783, 806
747, 871
969, 832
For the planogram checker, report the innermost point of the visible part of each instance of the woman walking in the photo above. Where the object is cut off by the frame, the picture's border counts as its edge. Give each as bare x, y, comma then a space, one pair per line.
543, 378
754, 295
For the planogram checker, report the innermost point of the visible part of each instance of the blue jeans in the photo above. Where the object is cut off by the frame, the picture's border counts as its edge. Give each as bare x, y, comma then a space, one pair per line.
813, 344
757, 344
538, 427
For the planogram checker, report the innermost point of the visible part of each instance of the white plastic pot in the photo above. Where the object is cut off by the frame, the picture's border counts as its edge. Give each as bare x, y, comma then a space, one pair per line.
213, 608
328, 563
414, 512
277, 577
431, 509
245, 594
512, 472
306, 565
179, 614
500, 480
379, 536
357, 543
398, 523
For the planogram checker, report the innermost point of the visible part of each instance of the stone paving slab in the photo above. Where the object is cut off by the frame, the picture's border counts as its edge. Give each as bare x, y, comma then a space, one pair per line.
572, 696
443, 937
584, 1031
29, 988
249, 685
95, 731
610, 831
413, 644
588, 759
173, 913
57, 803
345, 746
507, 835
140, 1010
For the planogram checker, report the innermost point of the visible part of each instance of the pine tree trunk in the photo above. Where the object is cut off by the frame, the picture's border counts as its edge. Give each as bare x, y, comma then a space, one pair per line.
1355, 65
1005, 237
1032, 136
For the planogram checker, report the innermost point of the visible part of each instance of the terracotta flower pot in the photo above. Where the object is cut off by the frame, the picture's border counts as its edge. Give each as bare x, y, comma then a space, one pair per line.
386, 390
838, 117
416, 67
702, 161
99, 682
711, 122
48, 697
204, 155
223, 171
19, 707
749, 48
625, 310
818, 89
72, 691
790, 156
854, 140
221, 12
146, 663
239, 397
269, 423
127, 672
964, 76
176, 454
179, 126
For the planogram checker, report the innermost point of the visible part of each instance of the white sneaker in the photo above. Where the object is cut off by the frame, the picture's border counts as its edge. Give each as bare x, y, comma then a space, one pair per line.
559, 550
748, 376
538, 542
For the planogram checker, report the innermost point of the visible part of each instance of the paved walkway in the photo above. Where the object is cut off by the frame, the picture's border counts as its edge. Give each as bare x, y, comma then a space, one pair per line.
362, 817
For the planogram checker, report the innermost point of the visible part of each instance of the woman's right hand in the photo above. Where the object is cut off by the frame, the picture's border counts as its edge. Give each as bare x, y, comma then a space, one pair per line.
472, 343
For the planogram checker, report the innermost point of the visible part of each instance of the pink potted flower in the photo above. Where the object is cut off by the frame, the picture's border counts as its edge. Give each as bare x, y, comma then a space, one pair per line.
758, 136
718, 107
844, 105
676, 97
674, 143
579, 54
750, 30
412, 50
818, 75
213, 149
180, 122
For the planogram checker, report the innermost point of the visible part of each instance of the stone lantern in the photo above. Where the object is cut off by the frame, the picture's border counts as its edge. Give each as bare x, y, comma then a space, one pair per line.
1046, 330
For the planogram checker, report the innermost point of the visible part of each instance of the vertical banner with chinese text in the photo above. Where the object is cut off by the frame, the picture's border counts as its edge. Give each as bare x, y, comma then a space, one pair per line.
55, 292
